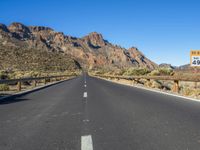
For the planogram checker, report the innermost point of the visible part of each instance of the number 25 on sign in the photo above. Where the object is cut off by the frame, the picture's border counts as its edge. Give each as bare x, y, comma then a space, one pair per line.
195, 58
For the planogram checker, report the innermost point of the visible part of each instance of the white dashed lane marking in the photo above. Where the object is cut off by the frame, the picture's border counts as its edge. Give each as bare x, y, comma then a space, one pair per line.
85, 85
85, 94
86, 142
86, 120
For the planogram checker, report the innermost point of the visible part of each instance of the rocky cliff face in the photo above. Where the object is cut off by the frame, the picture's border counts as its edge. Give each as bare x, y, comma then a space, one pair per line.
91, 51
140, 59
94, 40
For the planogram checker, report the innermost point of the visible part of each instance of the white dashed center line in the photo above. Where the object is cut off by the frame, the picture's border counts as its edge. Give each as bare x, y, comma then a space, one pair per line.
86, 142
85, 85
86, 120
85, 94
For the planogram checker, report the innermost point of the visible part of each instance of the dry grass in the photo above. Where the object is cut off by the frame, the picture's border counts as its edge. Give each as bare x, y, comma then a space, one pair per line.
25, 74
4, 87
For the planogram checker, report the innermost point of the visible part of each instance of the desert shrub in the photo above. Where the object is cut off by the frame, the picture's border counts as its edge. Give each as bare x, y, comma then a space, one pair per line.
162, 72
190, 91
11, 75
156, 84
73, 73
101, 71
120, 72
3, 75
18, 74
165, 71
35, 74
24, 74
136, 72
155, 73
4, 87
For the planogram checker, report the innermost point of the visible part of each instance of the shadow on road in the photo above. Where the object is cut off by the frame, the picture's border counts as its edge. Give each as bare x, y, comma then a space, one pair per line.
8, 99
4, 95
12, 100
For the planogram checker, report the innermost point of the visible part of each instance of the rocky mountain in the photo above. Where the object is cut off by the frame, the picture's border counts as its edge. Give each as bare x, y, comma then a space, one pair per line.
91, 51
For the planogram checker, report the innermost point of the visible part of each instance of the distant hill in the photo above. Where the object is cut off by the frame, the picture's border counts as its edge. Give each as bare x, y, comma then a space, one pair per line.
188, 69
185, 67
181, 69
43, 48
169, 66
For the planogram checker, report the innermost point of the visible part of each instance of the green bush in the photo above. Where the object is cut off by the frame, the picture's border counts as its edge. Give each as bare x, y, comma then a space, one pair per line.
4, 87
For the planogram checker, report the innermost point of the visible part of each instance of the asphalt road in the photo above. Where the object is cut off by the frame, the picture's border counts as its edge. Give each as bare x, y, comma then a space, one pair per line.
98, 115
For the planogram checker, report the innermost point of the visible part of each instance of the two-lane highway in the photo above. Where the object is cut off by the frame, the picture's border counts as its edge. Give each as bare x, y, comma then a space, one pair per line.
87, 113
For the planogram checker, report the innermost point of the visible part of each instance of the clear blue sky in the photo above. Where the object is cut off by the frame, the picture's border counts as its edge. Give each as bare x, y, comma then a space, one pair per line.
164, 30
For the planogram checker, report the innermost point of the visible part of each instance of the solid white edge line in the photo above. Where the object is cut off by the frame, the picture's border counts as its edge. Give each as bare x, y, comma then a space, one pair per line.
86, 142
170, 94
152, 90
85, 94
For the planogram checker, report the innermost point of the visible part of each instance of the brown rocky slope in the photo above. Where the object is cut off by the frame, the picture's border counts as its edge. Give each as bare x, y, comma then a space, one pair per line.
91, 51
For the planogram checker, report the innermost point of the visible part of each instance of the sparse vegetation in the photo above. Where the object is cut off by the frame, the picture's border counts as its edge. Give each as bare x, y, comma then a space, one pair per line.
122, 72
136, 72
162, 72
4, 74
4, 87
24, 74
37, 60
186, 91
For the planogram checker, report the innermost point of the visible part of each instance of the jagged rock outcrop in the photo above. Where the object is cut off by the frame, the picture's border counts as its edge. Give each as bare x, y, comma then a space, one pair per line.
20, 31
3, 27
91, 51
140, 59
95, 40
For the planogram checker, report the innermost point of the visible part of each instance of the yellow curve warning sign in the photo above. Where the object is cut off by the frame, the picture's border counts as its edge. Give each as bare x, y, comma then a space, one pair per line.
195, 58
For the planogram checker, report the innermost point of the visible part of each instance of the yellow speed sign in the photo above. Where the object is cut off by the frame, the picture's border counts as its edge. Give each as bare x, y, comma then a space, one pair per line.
195, 58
